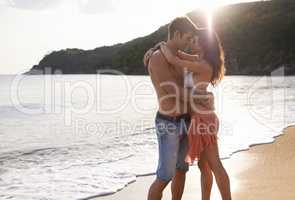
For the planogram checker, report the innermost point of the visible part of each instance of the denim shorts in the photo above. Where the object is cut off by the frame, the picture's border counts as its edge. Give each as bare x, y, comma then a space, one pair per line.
172, 145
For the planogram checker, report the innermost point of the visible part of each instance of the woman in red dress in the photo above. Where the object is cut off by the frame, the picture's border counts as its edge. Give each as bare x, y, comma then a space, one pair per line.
206, 67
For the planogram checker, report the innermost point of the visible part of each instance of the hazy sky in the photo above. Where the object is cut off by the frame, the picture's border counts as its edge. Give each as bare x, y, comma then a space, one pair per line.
32, 28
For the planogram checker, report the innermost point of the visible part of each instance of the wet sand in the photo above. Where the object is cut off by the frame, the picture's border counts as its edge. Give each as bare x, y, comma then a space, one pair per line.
264, 171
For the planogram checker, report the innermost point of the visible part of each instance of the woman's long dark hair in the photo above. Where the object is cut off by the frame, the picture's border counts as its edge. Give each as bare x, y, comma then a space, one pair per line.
213, 53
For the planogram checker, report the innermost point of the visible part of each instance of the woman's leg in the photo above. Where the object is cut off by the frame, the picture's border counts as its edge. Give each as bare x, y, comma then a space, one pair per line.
211, 155
206, 178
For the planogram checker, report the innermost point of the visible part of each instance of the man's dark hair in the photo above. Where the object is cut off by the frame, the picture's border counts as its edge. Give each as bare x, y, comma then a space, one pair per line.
183, 25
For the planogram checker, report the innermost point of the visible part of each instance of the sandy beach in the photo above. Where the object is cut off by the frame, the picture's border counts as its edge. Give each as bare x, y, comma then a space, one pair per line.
263, 172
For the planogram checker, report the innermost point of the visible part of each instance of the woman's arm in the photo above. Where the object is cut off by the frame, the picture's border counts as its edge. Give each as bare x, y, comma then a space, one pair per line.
150, 52
185, 56
193, 66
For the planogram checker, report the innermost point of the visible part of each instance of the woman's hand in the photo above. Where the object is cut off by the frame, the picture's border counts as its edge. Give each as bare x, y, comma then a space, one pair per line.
150, 52
147, 56
168, 54
158, 45
189, 57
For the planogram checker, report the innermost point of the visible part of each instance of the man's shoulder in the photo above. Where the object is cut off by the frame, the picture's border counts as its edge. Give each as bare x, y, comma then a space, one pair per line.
157, 59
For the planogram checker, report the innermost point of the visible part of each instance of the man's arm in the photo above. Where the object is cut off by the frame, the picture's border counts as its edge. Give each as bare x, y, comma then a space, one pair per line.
167, 82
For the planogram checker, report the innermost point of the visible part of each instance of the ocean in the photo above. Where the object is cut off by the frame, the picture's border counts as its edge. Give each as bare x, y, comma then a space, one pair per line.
79, 136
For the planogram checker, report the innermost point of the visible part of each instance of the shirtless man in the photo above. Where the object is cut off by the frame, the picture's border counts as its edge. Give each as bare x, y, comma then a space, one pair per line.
172, 118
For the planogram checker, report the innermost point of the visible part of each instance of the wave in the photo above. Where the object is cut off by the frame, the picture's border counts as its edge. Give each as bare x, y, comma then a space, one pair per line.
42, 158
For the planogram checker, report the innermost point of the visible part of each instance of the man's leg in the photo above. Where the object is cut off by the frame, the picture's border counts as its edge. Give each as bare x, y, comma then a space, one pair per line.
177, 185
178, 181
156, 189
168, 143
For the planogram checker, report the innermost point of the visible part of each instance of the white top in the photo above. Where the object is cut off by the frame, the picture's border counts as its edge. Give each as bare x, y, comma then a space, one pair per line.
188, 80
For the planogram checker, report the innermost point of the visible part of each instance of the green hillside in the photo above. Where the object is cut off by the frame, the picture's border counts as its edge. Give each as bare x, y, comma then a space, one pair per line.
257, 37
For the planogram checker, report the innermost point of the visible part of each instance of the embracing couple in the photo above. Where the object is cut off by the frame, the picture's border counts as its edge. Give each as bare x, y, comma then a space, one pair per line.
186, 122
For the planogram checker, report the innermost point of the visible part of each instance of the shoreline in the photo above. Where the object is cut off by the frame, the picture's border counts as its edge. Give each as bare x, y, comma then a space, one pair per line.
238, 173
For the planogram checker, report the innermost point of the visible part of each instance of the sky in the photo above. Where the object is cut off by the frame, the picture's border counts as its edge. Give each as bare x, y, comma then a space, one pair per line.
30, 29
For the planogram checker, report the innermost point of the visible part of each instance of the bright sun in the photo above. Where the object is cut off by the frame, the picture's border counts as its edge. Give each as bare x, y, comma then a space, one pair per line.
208, 6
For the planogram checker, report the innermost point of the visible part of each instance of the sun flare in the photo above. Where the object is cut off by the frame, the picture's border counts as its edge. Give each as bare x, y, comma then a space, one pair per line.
208, 7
